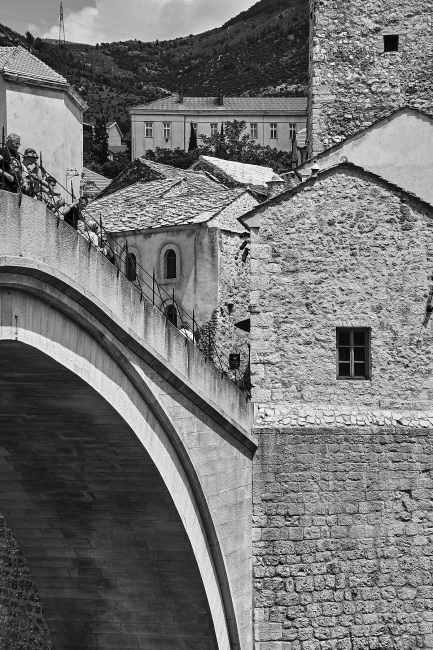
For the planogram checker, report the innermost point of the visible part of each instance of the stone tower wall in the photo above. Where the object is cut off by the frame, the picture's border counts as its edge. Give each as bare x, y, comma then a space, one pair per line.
353, 82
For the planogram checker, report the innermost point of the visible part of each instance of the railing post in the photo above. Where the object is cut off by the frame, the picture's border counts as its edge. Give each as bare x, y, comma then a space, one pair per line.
193, 326
153, 289
41, 175
3, 157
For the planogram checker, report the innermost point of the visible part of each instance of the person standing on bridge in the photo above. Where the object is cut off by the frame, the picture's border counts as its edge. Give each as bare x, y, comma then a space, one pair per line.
10, 163
72, 213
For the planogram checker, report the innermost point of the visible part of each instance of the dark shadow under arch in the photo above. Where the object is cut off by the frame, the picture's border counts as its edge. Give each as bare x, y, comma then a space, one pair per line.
94, 519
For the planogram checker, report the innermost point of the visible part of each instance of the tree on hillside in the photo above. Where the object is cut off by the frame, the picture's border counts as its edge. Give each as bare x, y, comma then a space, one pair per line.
30, 38
175, 157
192, 139
100, 139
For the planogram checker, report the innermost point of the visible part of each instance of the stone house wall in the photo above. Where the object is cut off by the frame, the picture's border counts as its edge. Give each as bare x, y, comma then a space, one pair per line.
342, 528
353, 82
344, 251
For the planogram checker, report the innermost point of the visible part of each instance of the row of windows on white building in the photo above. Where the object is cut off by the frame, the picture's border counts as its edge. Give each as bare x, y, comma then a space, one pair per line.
215, 129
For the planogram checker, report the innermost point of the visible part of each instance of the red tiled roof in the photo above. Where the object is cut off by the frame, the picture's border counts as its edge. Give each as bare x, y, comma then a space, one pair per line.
289, 105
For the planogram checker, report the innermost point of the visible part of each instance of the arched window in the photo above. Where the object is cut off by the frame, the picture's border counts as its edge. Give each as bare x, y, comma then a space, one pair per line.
171, 314
131, 267
170, 264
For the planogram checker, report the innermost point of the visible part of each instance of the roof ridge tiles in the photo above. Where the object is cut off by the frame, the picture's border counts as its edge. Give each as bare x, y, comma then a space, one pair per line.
327, 172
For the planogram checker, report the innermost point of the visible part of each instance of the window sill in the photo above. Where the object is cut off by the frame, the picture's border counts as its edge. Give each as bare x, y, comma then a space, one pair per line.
353, 378
169, 281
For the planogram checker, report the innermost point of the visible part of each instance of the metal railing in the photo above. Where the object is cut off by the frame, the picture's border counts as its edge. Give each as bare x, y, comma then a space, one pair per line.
144, 283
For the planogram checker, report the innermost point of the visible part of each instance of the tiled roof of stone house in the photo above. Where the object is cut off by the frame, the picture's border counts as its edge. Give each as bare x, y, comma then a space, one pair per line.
288, 105
93, 183
17, 60
147, 205
235, 174
306, 185
144, 170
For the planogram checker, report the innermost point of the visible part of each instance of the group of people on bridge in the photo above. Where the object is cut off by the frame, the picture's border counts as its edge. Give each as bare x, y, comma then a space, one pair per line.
25, 174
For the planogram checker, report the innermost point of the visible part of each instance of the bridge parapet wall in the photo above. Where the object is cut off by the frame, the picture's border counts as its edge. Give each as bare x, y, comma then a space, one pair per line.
35, 243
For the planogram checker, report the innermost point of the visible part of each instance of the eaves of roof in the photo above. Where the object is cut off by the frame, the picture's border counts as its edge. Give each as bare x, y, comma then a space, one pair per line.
17, 67
221, 110
385, 118
255, 212
31, 81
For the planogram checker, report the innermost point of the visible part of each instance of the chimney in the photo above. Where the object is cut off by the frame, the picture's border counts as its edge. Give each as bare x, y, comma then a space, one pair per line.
220, 97
181, 95
315, 169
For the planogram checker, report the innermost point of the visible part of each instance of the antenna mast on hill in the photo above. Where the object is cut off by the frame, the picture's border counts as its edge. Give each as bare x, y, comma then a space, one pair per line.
61, 27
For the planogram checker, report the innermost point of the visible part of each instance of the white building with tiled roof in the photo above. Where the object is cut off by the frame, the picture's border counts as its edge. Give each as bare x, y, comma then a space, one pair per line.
183, 228
167, 122
42, 107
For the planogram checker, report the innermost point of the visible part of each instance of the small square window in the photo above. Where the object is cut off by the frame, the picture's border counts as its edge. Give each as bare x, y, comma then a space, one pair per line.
390, 42
353, 353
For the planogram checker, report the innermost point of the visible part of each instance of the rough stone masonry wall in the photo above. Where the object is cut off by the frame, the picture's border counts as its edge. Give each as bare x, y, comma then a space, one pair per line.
22, 623
353, 82
343, 539
345, 251
342, 487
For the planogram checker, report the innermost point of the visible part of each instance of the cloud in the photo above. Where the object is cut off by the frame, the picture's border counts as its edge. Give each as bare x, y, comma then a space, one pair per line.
146, 20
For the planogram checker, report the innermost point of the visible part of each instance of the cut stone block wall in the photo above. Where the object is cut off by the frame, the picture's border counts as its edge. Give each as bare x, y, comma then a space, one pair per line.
343, 544
352, 81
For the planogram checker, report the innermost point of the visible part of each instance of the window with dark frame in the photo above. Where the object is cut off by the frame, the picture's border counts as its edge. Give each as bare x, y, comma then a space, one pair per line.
353, 353
390, 42
170, 264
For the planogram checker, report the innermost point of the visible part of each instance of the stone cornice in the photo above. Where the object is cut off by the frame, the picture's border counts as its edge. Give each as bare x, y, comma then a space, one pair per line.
331, 416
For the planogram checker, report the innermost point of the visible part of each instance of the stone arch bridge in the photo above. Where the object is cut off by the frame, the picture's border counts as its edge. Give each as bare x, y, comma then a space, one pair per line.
125, 460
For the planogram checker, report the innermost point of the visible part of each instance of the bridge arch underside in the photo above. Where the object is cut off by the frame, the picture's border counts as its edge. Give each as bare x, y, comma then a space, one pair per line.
101, 535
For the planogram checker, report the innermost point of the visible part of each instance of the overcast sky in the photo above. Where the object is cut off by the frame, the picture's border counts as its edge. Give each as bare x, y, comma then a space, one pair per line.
96, 21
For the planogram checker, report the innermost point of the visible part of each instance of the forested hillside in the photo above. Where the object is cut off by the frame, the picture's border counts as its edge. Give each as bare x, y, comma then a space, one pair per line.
263, 50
